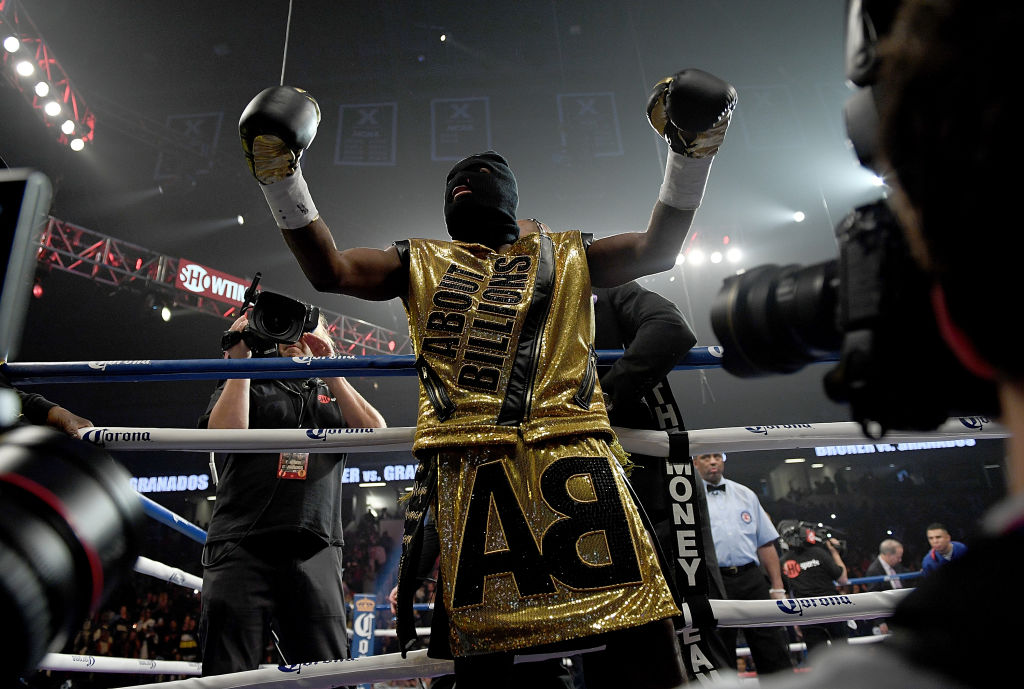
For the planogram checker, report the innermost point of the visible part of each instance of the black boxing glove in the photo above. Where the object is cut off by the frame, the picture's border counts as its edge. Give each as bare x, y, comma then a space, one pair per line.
691, 110
276, 128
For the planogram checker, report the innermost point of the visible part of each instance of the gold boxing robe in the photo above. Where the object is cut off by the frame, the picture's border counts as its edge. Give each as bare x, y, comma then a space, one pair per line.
540, 539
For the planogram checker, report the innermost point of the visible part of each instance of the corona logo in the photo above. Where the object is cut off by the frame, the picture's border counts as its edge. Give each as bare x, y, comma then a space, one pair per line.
975, 423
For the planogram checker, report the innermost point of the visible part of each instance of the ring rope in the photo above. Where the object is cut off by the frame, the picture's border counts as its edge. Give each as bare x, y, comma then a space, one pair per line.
391, 666
63, 662
158, 570
653, 443
168, 518
37, 373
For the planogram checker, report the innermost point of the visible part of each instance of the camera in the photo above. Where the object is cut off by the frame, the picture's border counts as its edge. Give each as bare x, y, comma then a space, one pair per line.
870, 308
795, 534
274, 319
70, 523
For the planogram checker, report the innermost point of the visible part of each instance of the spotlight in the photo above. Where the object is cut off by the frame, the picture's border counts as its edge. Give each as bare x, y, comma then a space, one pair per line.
165, 314
12, 44
42, 89
76, 144
733, 255
695, 257
37, 290
799, 216
680, 259
52, 108
716, 257
68, 127
25, 68
877, 181
240, 220
444, 37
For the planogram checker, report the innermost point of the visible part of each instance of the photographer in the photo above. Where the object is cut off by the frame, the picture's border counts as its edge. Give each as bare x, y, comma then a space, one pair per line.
947, 124
812, 566
273, 553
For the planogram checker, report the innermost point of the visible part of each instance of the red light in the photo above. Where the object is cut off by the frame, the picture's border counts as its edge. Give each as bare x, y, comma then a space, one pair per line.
725, 239
37, 290
391, 345
138, 263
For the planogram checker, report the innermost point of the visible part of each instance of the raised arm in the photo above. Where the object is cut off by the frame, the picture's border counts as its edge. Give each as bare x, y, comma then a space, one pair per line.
691, 110
276, 128
365, 273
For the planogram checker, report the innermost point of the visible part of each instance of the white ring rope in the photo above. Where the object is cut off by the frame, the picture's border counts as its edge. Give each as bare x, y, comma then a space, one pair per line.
391, 666
143, 565
321, 675
654, 443
814, 610
63, 662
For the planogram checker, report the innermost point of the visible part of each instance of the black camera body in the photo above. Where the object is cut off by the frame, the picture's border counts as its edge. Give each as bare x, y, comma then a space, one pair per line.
796, 534
274, 319
871, 308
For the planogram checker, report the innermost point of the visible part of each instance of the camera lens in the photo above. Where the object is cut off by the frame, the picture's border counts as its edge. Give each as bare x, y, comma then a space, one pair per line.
278, 318
70, 526
774, 319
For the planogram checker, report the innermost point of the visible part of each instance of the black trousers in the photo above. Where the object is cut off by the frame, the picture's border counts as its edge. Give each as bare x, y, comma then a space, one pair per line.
817, 635
769, 647
291, 582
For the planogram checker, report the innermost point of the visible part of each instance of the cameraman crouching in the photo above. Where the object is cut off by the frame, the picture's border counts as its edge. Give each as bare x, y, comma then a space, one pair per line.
273, 555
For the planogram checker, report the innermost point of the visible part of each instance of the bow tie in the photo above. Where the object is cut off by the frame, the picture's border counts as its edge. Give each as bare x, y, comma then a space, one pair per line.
720, 488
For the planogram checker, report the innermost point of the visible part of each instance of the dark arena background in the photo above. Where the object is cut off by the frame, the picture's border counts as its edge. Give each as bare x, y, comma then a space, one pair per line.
405, 88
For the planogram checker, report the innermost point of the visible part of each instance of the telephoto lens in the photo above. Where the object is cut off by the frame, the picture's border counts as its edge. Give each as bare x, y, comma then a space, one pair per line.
70, 528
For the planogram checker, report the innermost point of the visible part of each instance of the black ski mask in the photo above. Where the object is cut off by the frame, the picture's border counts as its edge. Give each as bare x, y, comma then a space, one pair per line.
487, 214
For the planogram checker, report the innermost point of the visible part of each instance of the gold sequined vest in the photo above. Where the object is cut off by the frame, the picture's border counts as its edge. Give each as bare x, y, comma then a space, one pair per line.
503, 342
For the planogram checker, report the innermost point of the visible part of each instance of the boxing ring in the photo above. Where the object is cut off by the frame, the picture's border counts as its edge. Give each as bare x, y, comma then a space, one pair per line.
390, 667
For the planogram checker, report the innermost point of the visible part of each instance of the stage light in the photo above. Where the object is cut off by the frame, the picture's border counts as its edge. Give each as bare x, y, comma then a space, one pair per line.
680, 259
165, 314
240, 220
391, 345
12, 44
42, 89
68, 127
76, 144
799, 216
795, 460
37, 290
52, 108
716, 257
733, 255
25, 68
444, 37
695, 257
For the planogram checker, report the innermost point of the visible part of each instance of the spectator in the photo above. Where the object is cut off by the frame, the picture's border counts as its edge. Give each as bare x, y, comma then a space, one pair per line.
943, 548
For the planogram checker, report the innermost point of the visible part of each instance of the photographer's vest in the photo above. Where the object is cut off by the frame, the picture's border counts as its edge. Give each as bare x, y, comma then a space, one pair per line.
503, 341
540, 541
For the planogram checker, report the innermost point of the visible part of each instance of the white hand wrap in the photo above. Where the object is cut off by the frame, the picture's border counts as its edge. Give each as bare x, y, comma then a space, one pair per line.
685, 179
290, 202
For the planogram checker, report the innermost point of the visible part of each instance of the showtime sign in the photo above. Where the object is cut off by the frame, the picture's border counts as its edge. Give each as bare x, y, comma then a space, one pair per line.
210, 283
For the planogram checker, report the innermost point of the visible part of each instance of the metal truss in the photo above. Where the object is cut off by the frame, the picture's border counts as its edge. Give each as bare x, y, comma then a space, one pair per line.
110, 261
15, 22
